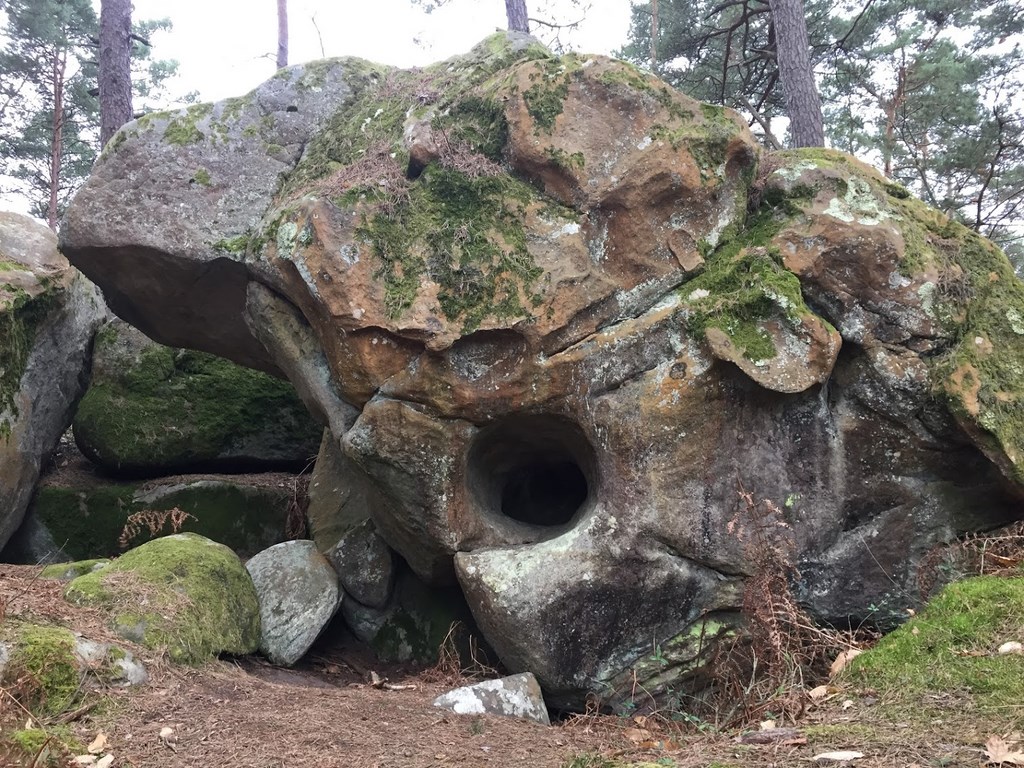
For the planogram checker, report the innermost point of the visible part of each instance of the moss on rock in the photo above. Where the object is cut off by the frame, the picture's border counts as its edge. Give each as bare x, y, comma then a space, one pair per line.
467, 235
69, 571
21, 315
744, 283
88, 522
166, 410
201, 601
44, 657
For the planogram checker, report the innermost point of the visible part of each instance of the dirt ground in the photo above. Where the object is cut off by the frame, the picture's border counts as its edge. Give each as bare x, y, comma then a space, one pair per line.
245, 713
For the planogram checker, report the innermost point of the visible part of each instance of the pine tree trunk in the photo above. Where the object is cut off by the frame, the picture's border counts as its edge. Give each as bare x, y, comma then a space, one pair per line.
518, 18
282, 34
806, 128
58, 66
115, 66
654, 35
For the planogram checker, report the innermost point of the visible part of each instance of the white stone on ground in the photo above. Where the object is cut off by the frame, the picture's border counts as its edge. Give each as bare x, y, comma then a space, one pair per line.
513, 696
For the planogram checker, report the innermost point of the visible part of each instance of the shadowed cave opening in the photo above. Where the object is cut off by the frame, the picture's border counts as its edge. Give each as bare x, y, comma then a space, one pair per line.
537, 470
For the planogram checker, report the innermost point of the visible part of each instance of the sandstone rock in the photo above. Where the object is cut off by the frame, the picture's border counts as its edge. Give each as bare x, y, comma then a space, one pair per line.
298, 594
48, 315
513, 696
155, 410
554, 346
88, 519
184, 593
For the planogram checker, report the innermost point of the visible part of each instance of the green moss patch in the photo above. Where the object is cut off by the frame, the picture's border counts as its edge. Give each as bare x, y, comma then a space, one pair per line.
467, 235
69, 571
951, 646
88, 522
176, 409
744, 284
21, 316
52, 747
43, 669
982, 378
200, 600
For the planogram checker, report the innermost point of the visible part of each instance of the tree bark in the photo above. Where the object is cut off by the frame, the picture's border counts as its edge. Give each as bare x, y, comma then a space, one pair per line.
518, 19
58, 68
806, 128
115, 66
282, 34
654, 35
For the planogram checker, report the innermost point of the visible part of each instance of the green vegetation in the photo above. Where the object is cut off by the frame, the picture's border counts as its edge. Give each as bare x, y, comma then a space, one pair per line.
68, 571
49, 748
745, 283
476, 122
234, 245
550, 80
183, 129
981, 377
200, 597
20, 318
467, 235
202, 177
88, 521
950, 646
131, 421
45, 657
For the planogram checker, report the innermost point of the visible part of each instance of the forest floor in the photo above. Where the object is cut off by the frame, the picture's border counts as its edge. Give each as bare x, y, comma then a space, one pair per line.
245, 713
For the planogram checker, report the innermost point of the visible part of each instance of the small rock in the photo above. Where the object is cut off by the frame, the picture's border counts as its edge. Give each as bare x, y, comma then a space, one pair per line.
513, 696
364, 565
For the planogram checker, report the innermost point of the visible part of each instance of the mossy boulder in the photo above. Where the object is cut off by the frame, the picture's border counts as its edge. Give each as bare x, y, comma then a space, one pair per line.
48, 315
72, 570
185, 593
45, 657
49, 669
155, 410
90, 519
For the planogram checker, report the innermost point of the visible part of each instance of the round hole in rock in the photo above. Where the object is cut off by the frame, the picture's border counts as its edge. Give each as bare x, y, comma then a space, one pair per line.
537, 470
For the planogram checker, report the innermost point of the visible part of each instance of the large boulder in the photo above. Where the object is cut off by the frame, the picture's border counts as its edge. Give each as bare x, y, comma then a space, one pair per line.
152, 410
558, 317
48, 315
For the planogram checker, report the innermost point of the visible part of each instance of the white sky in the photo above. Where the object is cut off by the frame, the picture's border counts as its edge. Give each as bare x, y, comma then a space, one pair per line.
227, 48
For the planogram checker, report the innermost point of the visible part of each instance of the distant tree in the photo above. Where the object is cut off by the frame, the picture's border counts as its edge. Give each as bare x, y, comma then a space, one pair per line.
49, 61
282, 34
49, 74
516, 15
115, 66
